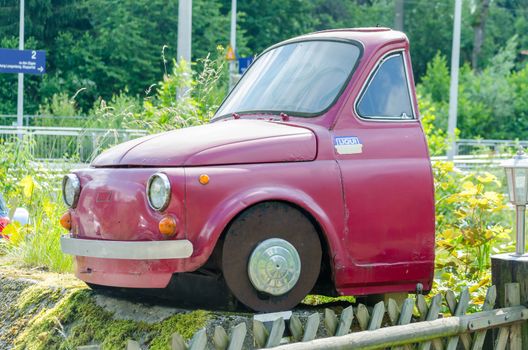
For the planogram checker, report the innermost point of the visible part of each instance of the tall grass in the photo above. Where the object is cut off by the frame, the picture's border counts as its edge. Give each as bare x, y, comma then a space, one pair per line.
35, 187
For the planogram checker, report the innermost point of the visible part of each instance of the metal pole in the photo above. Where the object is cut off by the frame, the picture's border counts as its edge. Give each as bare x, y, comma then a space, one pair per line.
453, 91
398, 15
184, 30
184, 37
521, 237
20, 99
232, 42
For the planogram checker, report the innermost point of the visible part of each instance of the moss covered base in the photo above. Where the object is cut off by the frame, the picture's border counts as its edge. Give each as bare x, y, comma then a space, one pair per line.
38, 315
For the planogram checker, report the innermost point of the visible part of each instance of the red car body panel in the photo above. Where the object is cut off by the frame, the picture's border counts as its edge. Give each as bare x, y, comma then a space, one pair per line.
248, 141
374, 208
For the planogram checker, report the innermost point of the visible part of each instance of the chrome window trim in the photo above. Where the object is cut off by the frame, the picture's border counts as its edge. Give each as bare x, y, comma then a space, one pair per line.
369, 79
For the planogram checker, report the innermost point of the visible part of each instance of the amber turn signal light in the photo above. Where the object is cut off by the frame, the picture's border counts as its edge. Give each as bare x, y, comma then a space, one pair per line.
204, 179
65, 220
168, 226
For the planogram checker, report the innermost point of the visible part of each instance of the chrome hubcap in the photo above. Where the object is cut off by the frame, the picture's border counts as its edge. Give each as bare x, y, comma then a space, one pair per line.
274, 266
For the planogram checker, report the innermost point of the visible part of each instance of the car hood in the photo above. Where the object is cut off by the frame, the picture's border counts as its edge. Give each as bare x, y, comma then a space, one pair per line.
224, 142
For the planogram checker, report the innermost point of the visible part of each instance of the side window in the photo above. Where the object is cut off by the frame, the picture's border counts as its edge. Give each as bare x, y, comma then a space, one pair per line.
387, 93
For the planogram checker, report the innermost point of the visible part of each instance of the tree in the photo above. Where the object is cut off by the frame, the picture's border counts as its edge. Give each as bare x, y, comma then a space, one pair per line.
479, 21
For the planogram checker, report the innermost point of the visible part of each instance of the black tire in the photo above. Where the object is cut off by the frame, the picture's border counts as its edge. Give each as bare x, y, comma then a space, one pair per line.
259, 223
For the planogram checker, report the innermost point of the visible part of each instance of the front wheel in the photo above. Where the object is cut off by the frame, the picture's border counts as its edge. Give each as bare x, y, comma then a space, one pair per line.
271, 257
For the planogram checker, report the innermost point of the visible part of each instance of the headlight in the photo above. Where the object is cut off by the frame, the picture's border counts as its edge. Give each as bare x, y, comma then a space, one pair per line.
158, 191
71, 187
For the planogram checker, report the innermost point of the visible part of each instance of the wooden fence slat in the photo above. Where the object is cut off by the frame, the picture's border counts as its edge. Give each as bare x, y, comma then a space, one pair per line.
236, 341
377, 316
362, 316
277, 331
260, 334
330, 321
436, 343
220, 338
345, 321
460, 309
199, 340
406, 312
502, 338
513, 298
451, 301
432, 314
489, 303
312, 325
177, 342
296, 328
405, 318
466, 338
133, 345
422, 307
394, 311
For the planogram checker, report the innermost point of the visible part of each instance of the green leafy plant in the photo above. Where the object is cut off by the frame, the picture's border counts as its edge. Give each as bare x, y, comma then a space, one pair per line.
470, 225
185, 98
35, 188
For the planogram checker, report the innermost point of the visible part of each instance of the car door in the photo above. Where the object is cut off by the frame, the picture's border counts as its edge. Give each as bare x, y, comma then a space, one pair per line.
387, 183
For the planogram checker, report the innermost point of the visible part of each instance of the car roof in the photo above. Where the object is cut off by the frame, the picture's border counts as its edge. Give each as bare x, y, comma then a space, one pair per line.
369, 37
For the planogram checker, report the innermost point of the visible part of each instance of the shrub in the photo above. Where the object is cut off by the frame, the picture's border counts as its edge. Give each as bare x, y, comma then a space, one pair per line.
35, 188
470, 225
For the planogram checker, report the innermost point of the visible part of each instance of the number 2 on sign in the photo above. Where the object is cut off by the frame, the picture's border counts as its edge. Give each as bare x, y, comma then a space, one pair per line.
33, 55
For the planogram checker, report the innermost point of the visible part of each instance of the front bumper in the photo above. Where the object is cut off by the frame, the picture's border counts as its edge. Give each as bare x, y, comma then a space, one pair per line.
130, 250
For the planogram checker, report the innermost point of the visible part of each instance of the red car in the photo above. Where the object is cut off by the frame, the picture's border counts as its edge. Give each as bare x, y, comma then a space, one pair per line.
313, 173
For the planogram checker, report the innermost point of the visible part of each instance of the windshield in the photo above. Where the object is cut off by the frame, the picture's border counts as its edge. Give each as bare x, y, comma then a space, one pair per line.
298, 78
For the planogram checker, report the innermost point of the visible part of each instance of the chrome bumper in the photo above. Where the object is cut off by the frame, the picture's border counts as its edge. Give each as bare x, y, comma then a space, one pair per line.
149, 250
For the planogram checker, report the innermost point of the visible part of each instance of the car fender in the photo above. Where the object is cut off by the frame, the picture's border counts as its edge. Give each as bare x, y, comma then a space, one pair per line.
204, 232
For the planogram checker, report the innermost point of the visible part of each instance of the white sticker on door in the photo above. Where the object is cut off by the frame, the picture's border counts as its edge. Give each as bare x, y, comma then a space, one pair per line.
348, 145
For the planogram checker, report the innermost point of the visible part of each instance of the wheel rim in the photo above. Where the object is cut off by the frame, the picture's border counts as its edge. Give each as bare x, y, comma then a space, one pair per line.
274, 266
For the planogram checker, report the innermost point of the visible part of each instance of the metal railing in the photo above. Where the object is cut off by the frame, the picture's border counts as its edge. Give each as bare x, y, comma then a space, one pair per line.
80, 144
42, 120
495, 147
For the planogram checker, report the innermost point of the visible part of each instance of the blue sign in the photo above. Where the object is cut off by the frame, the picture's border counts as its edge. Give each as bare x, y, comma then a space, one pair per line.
243, 63
22, 61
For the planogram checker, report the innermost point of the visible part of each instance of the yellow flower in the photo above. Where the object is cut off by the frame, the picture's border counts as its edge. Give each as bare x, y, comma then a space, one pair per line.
449, 233
28, 185
486, 178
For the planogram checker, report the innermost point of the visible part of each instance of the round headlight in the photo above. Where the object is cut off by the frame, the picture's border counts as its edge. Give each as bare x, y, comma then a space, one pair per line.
158, 191
71, 188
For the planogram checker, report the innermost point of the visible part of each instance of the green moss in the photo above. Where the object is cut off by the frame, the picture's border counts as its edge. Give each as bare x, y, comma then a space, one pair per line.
35, 295
77, 320
315, 300
23, 301
185, 324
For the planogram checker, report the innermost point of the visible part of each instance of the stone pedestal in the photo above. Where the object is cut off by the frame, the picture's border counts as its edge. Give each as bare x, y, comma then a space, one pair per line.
506, 268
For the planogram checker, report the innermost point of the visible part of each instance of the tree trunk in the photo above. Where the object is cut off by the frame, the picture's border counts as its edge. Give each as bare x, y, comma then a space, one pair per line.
479, 22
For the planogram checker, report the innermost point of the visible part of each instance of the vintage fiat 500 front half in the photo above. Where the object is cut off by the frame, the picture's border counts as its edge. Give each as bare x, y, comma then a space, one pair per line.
126, 225
128, 222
